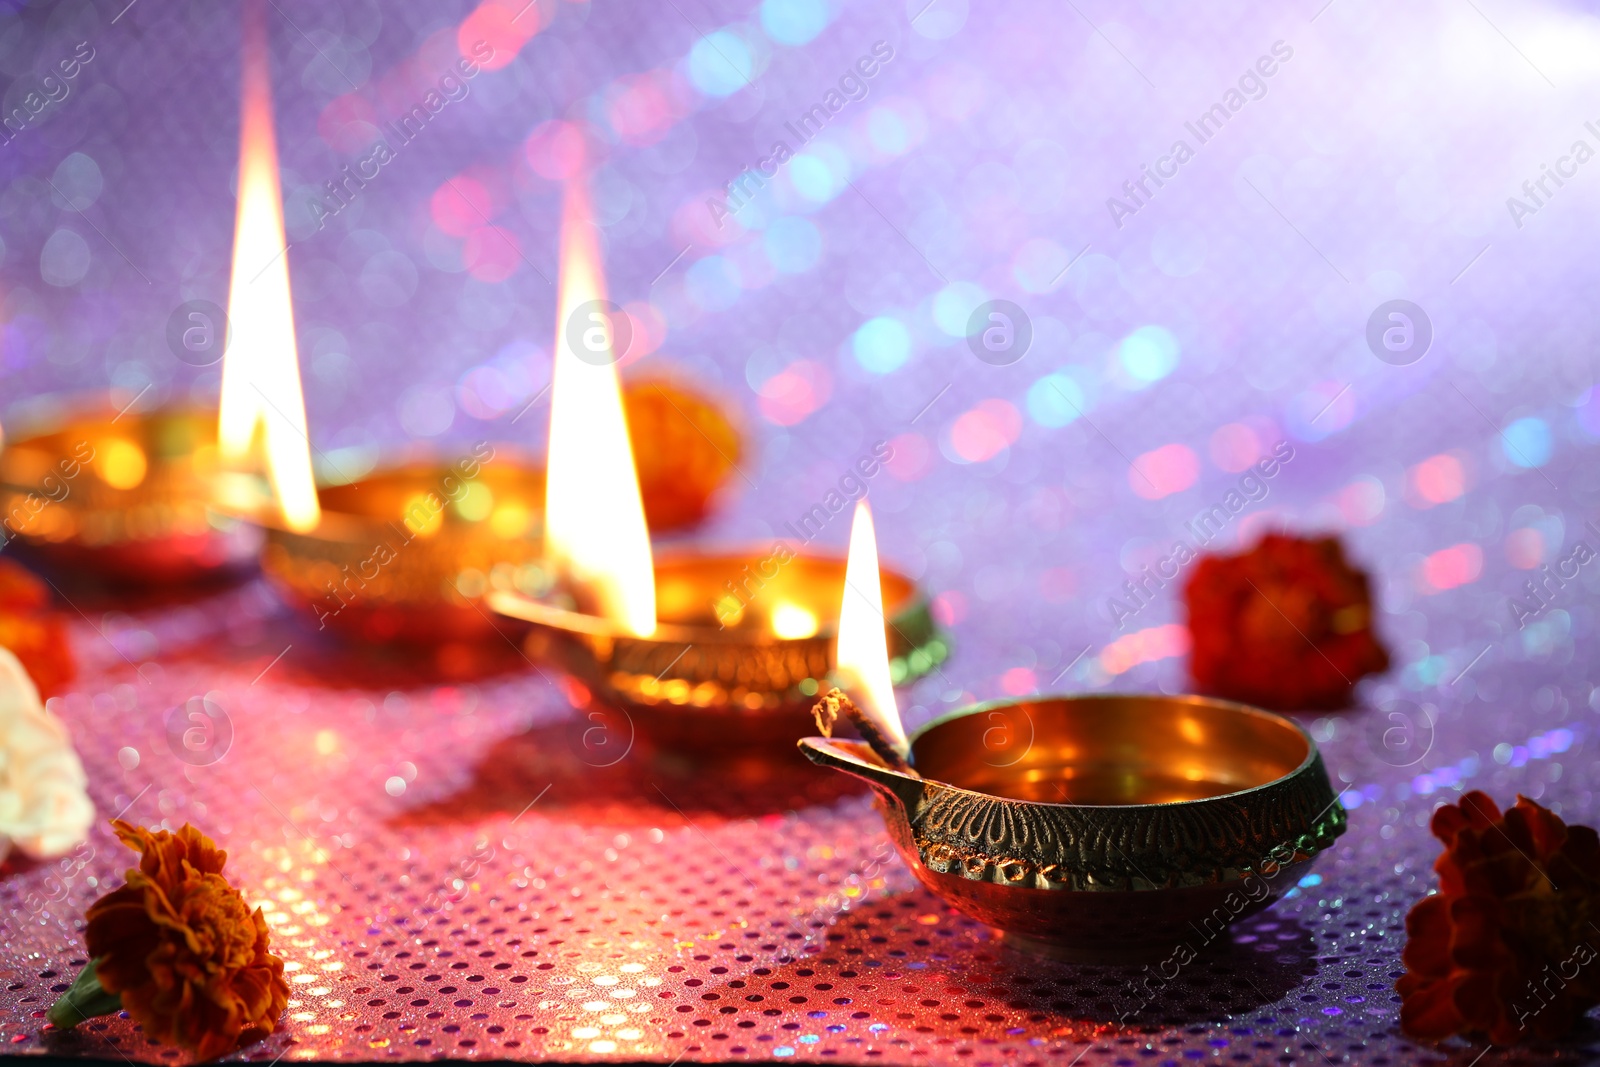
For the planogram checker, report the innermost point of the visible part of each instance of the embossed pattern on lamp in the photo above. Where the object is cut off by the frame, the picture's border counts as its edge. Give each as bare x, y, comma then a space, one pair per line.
1104, 827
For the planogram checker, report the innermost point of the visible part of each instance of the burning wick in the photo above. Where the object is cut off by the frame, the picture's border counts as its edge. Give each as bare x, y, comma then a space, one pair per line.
836, 702
861, 655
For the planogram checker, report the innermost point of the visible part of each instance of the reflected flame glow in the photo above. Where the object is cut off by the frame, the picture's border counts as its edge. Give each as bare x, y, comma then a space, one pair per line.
595, 532
792, 621
261, 368
862, 650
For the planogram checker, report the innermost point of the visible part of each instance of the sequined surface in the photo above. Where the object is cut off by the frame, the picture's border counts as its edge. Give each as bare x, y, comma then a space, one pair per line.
464, 870
452, 861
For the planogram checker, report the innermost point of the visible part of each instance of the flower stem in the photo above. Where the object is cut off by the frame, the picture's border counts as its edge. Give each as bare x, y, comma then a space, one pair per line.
83, 1001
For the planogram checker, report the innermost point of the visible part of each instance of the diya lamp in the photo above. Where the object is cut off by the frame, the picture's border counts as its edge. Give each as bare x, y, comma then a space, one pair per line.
402, 554
397, 555
169, 494
126, 495
704, 650
1095, 828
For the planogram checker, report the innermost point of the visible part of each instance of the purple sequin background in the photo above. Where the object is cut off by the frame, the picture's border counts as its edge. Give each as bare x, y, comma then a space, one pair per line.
443, 870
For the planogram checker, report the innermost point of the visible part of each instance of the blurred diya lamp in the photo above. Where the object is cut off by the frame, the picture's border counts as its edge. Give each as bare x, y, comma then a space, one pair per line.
701, 650
386, 557
1102, 828
404, 553
130, 496
718, 670
158, 496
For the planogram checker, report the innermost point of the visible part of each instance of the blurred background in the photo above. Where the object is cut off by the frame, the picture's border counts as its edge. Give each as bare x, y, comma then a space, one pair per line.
1179, 327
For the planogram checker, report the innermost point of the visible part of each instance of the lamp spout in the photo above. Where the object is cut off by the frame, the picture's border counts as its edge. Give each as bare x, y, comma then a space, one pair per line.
903, 787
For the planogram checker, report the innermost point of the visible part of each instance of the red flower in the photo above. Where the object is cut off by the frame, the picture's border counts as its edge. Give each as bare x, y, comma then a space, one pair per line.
1286, 625
32, 630
178, 949
1509, 947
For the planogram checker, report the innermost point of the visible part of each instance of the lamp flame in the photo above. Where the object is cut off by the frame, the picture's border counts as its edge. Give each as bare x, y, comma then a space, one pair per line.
861, 654
261, 367
595, 532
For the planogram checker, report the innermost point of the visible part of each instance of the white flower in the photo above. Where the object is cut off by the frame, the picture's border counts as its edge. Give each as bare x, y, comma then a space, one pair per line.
44, 806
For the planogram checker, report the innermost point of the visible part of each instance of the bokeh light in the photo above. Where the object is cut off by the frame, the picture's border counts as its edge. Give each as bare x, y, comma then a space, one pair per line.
1451, 567
793, 22
793, 244
1057, 399
720, 63
795, 392
1527, 442
1149, 354
881, 344
982, 433
1437, 480
1164, 471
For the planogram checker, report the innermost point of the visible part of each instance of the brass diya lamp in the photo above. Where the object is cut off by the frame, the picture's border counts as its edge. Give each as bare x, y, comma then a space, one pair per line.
164, 495
404, 553
130, 496
159, 496
701, 650
1106, 827
1092, 828
734, 656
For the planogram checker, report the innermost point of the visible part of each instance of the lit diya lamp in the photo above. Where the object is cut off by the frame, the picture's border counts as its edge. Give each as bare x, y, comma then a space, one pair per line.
1091, 828
399, 554
162, 495
404, 553
704, 650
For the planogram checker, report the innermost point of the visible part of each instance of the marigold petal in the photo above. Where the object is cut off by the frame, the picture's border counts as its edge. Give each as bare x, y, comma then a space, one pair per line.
1475, 941
1429, 1012
1427, 950
1448, 821
1535, 828
1480, 808
1582, 853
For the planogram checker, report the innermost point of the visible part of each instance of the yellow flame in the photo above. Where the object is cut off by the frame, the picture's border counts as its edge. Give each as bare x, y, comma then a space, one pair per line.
861, 652
261, 367
595, 532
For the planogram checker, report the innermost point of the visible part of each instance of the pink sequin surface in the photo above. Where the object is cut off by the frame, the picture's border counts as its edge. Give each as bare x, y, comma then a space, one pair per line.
465, 870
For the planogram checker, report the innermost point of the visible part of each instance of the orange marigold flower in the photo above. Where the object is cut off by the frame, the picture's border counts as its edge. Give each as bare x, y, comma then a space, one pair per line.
685, 449
179, 948
1507, 948
1286, 625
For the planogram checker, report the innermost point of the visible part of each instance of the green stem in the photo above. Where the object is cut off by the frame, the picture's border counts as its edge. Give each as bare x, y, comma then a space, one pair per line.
83, 1001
